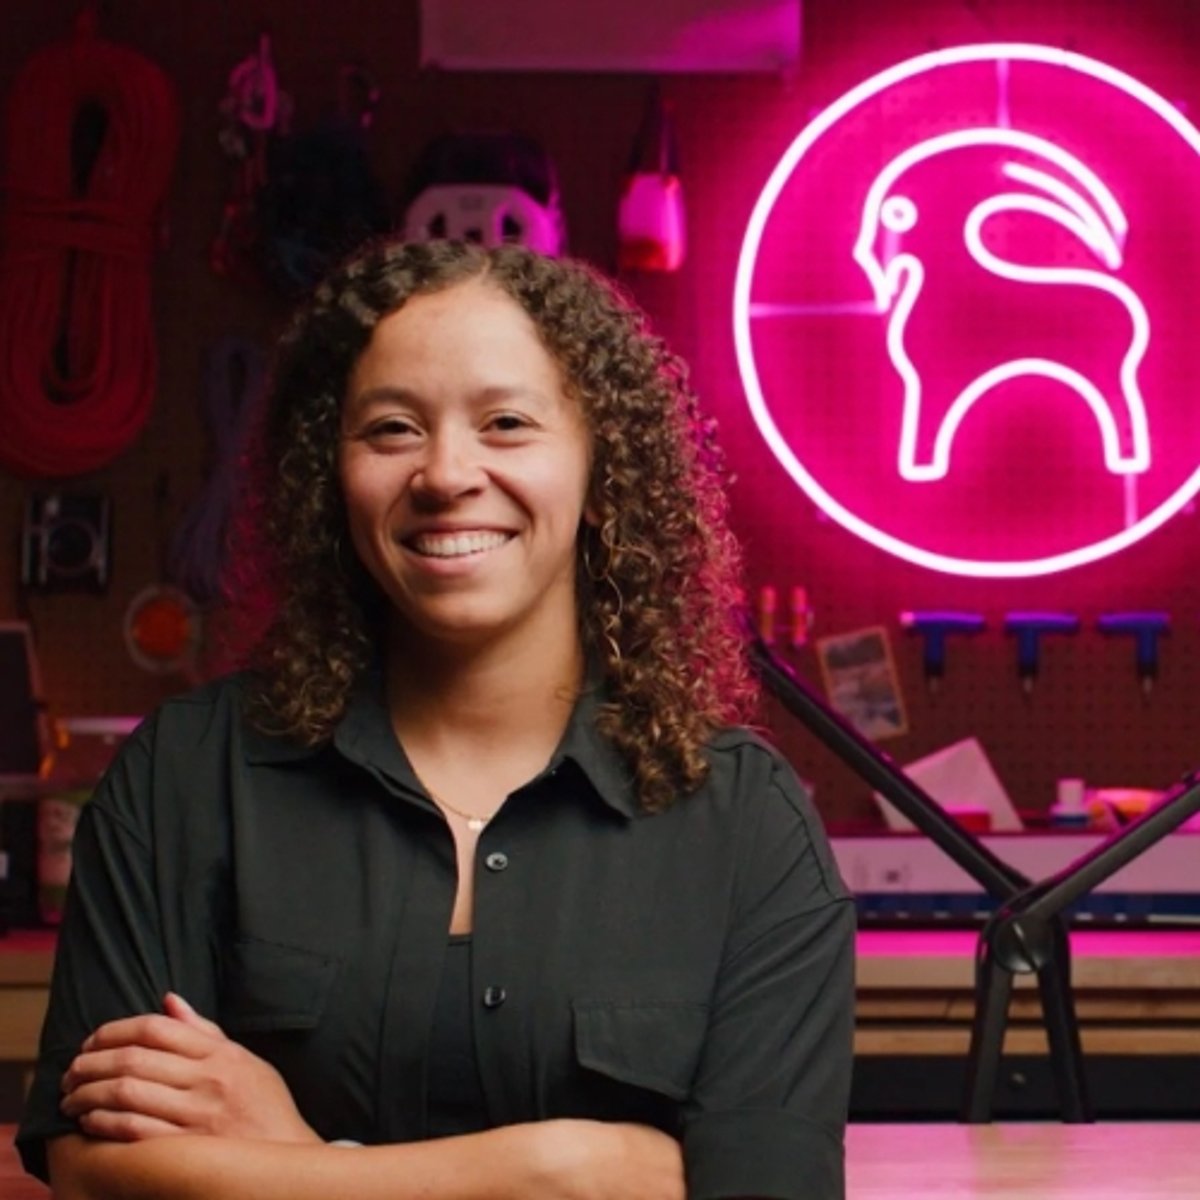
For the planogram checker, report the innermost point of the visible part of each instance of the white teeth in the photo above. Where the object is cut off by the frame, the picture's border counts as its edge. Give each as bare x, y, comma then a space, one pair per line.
453, 545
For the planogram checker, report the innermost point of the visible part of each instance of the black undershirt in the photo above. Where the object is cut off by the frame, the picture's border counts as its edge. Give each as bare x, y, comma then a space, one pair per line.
454, 1103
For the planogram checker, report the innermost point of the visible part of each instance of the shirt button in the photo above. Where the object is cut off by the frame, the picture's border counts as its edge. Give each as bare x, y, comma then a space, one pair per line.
496, 861
494, 996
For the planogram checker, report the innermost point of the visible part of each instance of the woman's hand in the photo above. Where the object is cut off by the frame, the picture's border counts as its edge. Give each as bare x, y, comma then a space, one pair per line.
151, 1076
601, 1160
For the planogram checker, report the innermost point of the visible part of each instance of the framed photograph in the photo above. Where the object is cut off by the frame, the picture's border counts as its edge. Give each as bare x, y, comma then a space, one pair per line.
861, 682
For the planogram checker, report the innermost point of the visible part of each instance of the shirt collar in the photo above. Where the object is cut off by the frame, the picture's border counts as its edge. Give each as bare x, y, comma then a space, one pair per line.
595, 756
364, 735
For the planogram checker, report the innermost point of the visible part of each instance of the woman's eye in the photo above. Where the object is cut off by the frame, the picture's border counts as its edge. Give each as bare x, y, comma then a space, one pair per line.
508, 422
391, 428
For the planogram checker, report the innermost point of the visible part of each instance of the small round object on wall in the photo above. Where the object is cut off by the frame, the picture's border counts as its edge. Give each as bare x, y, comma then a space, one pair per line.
162, 629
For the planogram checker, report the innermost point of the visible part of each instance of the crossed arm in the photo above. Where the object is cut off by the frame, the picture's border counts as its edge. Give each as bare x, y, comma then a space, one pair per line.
173, 1109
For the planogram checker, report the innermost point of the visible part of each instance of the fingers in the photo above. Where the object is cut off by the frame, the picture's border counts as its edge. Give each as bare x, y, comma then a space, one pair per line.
145, 1076
151, 1075
138, 1062
156, 1102
126, 1126
154, 1031
174, 1005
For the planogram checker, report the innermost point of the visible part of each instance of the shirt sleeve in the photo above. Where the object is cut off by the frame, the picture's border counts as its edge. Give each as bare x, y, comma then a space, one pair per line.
767, 1113
109, 961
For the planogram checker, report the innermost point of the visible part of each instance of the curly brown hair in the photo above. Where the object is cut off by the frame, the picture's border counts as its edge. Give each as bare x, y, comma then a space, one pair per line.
658, 574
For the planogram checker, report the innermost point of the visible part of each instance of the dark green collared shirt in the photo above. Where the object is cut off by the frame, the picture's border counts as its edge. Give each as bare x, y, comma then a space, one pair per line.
692, 969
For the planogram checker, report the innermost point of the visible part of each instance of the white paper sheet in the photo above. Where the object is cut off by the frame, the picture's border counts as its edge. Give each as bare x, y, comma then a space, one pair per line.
960, 775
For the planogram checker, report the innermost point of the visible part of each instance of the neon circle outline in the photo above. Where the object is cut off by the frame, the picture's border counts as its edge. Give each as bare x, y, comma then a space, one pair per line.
747, 257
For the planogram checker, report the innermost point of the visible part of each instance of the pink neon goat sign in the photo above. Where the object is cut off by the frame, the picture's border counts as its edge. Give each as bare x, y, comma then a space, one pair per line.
959, 344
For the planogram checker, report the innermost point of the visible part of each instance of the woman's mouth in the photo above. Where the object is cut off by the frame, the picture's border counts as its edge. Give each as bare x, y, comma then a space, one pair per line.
456, 545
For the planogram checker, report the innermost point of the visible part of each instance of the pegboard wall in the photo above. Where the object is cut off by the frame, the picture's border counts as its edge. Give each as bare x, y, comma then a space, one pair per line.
1086, 715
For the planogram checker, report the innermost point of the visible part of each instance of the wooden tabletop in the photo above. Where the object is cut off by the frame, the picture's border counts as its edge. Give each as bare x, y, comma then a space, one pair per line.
935, 960
959, 1162
1024, 1162
1137, 992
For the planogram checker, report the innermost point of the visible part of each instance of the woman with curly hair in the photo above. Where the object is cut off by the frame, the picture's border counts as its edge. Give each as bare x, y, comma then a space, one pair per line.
474, 872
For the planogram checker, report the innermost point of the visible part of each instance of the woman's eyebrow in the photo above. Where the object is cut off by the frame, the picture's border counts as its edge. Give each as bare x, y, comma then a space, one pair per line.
381, 395
389, 395
492, 393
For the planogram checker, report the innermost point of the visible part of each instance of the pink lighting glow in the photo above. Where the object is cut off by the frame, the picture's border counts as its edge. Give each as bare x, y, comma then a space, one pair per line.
1002, 359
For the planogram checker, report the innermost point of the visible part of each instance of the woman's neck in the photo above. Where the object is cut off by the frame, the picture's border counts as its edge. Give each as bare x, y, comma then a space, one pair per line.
498, 700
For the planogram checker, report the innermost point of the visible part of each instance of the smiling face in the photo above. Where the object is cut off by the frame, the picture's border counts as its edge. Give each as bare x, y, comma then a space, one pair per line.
464, 467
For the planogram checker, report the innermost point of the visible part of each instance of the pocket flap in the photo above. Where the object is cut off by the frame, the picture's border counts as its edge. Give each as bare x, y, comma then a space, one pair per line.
272, 986
650, 1044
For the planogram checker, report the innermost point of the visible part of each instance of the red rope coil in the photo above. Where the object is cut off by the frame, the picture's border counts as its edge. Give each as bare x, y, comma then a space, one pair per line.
77, 356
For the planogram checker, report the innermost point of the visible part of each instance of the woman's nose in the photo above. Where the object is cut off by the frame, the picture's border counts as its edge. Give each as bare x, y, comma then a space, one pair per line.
449, 467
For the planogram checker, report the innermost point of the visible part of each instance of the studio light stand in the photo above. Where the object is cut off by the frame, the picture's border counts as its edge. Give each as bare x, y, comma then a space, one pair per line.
1028, 933
1004, 883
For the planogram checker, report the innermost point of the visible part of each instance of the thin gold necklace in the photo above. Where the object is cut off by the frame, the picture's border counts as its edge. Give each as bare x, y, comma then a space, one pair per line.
475, 823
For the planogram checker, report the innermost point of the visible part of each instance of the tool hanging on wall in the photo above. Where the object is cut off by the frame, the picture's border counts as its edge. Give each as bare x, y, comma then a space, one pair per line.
253, 109
91, 131
235, 383
800, 616
299, 201
768, 607
66, 542
321, 199
486, 187
1145, 628
934, 627
1029, 628
651, 220
163, 628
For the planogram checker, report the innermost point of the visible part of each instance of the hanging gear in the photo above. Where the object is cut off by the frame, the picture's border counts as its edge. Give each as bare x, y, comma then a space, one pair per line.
162, 630
235, 384
487, 188
91, 131
651, 221
320, 199
253, 109
298, 201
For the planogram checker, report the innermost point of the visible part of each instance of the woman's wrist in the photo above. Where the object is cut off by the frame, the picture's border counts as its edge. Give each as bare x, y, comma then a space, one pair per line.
554, 1154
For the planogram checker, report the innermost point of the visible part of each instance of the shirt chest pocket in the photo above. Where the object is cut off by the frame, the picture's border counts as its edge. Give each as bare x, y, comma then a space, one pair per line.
268, 987
650, 1045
